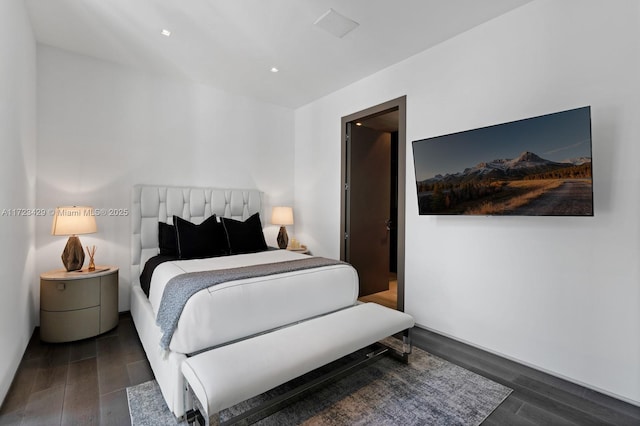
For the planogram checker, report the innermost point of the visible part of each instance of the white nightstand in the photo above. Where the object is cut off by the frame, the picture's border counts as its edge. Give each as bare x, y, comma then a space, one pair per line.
77, 305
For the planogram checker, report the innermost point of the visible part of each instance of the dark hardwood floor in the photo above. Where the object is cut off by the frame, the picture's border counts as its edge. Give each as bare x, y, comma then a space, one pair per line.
537, 398
78, 383
83, 383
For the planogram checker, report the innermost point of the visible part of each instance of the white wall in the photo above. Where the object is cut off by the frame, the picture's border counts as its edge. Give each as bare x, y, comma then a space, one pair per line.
561, 294
18, 281
103, 128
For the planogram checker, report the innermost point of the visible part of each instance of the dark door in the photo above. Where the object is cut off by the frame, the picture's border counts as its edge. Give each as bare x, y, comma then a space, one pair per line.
368, 204
390, 118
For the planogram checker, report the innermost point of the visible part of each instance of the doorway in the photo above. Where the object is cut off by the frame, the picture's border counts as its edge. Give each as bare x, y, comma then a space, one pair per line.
373, 200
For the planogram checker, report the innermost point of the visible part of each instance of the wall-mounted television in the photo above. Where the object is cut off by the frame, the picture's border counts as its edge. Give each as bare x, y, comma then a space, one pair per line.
539, 166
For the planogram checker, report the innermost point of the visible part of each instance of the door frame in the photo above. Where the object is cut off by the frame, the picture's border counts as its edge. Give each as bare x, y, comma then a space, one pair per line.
400, 105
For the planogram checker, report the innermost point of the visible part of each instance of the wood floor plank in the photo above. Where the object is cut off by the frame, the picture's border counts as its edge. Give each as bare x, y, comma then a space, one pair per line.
540, 416
83, 371
44, 407
631, 411
139, 372
538, 403
13, 418
53, 368
20, 390
580, 404
50, 377
112, 378
35, 347
81, 405
388, 298
472, 360
112, 372
507, 414
83, 349
82, 400
131, 349
114, 409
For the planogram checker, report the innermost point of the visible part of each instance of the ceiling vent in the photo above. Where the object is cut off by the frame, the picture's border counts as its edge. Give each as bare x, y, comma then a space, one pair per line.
335, 23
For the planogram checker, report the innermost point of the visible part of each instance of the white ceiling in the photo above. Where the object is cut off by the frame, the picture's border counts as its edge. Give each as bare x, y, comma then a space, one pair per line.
232, 44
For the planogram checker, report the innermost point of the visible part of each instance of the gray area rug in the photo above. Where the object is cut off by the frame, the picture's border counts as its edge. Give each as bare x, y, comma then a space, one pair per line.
428, 391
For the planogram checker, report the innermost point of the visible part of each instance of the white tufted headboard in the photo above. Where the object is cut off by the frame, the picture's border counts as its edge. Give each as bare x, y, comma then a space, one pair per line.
151, 204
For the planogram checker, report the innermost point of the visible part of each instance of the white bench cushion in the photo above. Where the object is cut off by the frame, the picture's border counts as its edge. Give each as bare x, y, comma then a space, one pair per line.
225, 376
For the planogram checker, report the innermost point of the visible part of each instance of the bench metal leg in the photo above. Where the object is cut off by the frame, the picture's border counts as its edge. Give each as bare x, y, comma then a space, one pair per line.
195, 416
401, 355
407, 344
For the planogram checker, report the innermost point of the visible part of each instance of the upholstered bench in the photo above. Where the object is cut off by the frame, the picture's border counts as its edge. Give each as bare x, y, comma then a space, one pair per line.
227, 375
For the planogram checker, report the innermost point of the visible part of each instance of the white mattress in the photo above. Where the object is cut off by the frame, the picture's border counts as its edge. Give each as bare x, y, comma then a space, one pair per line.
242, 308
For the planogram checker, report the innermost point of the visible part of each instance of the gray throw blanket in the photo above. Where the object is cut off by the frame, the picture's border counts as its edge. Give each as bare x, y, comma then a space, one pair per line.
180, 288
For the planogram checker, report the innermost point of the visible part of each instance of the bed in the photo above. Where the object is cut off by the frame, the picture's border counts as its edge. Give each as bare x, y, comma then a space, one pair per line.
230, 311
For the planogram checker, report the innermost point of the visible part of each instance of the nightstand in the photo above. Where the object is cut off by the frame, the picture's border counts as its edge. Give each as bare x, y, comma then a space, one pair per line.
79, 304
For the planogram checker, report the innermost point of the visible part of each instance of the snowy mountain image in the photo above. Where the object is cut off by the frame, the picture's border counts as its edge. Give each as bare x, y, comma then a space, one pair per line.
525, 164
538, 166
527, 184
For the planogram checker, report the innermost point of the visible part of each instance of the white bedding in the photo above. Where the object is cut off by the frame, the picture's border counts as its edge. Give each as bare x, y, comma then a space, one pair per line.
238, 309
241, 307
167, 270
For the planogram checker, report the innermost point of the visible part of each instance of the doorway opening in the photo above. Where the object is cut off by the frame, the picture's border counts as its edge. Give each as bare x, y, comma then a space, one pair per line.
373, 200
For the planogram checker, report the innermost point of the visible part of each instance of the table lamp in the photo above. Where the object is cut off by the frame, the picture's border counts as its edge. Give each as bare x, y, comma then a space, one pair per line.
282, 216
72, 221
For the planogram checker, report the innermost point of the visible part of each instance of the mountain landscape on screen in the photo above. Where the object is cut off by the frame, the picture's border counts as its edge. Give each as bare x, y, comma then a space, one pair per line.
539, 166
527, 165
511, 186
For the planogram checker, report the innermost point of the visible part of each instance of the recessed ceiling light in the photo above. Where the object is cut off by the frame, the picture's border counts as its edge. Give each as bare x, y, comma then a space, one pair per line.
165, 32
274, 69
358, 124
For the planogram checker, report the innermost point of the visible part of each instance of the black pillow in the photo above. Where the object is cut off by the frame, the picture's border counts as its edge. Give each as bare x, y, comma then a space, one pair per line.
196, 241
167, 239
245, 237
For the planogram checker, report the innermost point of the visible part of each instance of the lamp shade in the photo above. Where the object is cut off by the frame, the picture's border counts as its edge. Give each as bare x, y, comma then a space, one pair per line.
282, 216
74, 220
